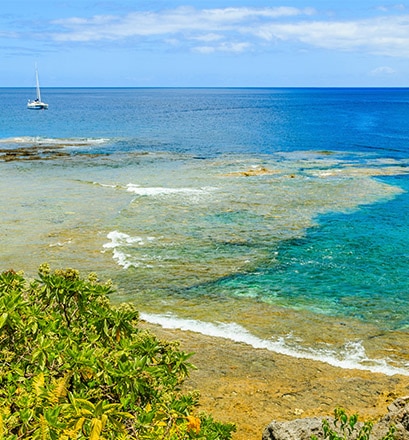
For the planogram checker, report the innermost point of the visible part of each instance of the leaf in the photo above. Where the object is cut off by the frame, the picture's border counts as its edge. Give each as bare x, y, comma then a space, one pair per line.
1, 427
3, 319
85, 405
104, 419
51, 415
38, 384
44, 428
96, 428
80, 423
61, 388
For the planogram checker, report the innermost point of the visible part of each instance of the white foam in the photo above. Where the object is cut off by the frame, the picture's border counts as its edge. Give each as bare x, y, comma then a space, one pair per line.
122, 240
157, 191
353, 355
106, 185
61, 244
17, 140
122, 259
63, 142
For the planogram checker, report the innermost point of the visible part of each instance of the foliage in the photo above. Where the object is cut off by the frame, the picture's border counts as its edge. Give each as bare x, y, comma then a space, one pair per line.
347, 427
75, 367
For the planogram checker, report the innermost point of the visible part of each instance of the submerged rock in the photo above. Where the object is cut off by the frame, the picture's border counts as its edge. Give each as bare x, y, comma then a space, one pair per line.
303, 429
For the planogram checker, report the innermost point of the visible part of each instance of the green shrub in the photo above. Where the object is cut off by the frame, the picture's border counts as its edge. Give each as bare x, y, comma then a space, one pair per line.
347, 427
75, 367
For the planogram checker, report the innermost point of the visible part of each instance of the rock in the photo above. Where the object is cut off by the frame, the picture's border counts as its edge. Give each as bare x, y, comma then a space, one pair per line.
303, 429
398, 416
300, 429
254, 171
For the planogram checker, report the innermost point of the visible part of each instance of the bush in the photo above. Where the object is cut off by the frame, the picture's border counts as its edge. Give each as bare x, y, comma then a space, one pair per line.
76, 367
347, 427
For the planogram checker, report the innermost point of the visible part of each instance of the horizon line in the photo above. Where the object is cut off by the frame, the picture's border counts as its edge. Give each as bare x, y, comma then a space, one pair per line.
207, 87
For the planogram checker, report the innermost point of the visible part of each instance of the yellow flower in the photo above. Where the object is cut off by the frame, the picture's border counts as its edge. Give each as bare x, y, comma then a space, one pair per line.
193, 424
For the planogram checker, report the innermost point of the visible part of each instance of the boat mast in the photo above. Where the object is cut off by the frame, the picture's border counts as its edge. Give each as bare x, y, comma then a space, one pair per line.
38, 85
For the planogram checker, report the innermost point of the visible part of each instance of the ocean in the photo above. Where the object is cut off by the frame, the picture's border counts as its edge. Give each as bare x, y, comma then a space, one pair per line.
273, 217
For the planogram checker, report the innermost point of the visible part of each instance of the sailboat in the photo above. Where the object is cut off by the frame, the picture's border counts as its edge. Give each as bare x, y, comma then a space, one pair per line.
37, 104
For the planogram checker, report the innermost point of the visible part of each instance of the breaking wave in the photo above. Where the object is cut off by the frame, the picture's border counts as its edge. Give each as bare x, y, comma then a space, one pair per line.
54, 142
352, 355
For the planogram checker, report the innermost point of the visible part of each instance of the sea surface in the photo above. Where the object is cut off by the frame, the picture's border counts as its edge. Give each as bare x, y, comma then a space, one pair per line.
274, 217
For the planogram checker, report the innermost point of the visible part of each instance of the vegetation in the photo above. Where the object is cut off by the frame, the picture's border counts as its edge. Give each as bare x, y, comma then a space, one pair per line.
347, 427
75, 367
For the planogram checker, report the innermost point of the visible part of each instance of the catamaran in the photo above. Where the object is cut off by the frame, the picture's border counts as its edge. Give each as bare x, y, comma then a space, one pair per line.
37, 104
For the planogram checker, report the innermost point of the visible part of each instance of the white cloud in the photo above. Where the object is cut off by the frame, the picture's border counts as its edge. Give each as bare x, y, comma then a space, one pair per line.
382, 36
209, 37
205, 49
11, 35
179, 20
395, 7
383, 71
246, 28
224, 47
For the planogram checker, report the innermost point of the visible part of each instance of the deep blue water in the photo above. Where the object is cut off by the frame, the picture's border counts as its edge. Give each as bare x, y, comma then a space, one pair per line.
214, 121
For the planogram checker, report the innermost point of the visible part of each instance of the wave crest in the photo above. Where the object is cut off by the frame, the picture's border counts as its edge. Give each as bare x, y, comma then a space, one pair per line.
351, 356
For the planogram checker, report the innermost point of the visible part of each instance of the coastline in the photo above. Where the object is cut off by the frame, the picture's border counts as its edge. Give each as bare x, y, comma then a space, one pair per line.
251, 387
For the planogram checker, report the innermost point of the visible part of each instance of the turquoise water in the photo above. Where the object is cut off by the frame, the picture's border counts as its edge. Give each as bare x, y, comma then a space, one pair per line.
356, 263
275, 217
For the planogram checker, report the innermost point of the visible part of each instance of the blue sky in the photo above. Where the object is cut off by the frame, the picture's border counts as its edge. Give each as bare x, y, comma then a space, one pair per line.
253, 43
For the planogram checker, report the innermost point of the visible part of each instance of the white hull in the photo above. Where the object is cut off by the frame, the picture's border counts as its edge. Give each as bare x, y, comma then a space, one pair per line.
37, 105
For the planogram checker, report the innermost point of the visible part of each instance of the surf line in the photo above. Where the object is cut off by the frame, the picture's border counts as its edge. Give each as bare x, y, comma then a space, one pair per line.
354, 357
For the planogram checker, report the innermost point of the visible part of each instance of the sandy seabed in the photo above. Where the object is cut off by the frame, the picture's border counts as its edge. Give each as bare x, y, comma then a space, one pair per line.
251, 387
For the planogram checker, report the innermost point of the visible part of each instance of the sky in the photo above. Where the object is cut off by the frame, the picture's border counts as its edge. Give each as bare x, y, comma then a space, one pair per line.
212, 43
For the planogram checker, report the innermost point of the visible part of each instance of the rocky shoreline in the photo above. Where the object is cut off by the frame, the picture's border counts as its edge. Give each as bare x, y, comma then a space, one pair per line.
303, 429
252, 387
